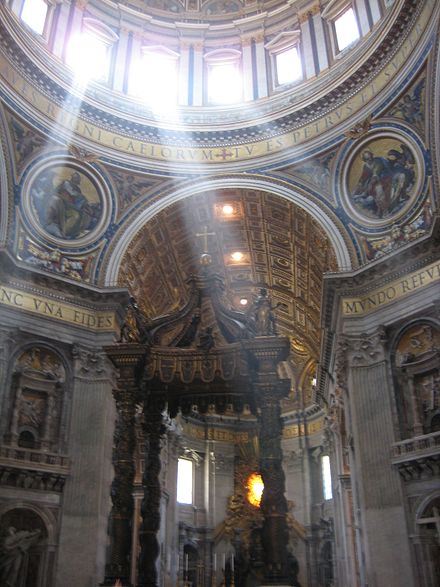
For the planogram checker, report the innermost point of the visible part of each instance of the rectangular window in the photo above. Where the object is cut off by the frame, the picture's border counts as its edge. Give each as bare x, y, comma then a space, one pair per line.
154, 78
185, 481
288, 66
34, 14
224, 83
326, 477
346, 28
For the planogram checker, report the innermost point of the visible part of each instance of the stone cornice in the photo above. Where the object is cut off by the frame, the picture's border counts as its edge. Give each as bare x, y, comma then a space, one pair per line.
360, 282
379, 273
63, 290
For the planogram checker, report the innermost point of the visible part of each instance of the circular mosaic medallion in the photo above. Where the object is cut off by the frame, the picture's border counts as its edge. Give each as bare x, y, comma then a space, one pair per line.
65, 203
382, 178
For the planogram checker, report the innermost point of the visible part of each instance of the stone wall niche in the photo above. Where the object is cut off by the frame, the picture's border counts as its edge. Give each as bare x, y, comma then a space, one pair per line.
27, 555
36, 407
417, 361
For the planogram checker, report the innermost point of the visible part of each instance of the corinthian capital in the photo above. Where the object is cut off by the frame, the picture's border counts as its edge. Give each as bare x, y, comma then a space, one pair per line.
366, 349
91, 363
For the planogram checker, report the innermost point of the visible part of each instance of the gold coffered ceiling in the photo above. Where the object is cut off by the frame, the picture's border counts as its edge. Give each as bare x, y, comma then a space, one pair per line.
281, 248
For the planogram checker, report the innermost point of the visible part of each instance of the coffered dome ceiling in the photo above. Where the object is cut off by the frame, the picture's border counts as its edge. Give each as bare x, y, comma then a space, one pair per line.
255, 240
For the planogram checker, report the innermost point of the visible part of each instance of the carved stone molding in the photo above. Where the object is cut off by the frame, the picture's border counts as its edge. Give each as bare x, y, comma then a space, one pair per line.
29, 469
418, 458
30, 479
341, 362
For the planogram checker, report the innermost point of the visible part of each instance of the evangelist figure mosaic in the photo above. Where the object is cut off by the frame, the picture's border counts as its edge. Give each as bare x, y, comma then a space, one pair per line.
66, 202
382, 178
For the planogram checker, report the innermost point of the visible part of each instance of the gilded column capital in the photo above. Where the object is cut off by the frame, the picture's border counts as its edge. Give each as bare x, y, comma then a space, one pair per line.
246, 39
341, 362
259, 37
312, 10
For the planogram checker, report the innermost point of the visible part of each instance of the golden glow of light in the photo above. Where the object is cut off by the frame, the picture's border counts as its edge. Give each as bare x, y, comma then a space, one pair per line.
228, 209
244, 301
237, 256
255, 488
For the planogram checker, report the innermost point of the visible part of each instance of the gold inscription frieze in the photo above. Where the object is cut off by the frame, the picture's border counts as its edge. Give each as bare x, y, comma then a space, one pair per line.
109, 139
234, 437
48, 308
218, 434
294, 430
391, 292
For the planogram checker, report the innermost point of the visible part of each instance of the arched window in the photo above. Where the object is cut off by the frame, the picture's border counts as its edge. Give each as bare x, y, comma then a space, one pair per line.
27, 439
224, 77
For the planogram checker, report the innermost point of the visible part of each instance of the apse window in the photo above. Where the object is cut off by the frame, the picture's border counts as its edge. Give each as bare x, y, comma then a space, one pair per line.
185, 469
326, 477
89, 52
346, 29
224, 77
34, 14
154, 77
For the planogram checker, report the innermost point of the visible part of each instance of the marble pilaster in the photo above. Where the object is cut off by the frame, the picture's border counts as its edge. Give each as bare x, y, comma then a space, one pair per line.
6, 342
260, 64
321, 45
83, 532
197, 76
248, 90
377, 483
122, 54
306, 36
183, 83
362, 14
